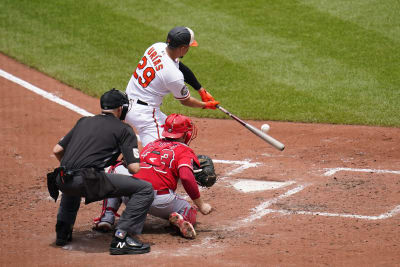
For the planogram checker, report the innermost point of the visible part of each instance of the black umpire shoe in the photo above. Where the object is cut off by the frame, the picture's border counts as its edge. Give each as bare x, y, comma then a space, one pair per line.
63, 233
126, 244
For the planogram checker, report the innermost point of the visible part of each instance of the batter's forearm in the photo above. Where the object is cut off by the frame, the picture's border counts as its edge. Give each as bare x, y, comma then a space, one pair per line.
193, 102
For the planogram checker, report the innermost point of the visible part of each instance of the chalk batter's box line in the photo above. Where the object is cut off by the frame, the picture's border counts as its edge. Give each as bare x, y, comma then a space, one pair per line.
262, 209
243, 165
332, 171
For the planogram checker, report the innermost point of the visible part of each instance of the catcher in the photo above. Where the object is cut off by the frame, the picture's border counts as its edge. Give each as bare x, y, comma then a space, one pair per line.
163, 163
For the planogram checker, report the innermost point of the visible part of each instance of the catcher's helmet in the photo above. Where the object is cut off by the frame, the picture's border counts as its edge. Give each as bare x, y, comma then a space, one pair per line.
177, 126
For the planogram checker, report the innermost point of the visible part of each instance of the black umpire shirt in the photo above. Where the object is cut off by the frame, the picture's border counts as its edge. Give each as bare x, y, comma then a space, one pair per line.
97, 142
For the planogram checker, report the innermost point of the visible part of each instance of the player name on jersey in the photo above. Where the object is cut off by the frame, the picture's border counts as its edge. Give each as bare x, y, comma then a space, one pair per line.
155, 58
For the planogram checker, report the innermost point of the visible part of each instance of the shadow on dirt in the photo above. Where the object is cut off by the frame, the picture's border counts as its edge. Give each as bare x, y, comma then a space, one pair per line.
89, 242
92, 241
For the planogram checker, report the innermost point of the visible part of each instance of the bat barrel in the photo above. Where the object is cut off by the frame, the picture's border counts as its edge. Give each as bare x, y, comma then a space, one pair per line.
269, 139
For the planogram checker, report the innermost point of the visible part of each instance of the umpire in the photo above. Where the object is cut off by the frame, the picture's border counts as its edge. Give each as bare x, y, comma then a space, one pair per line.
91, 145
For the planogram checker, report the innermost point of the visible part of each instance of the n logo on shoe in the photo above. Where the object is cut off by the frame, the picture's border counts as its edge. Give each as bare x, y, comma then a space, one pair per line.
121, 244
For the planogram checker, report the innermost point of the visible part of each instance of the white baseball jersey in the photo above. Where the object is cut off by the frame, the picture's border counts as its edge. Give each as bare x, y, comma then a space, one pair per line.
156, 76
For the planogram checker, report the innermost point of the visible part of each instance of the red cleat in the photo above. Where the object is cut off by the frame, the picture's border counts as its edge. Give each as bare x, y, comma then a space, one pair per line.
185, 227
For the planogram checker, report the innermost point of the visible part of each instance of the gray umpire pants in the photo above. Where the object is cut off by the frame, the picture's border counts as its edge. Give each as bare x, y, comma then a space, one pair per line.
140, 195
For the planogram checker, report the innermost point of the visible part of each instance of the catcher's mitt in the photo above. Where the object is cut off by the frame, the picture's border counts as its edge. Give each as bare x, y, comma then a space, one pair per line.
205, 173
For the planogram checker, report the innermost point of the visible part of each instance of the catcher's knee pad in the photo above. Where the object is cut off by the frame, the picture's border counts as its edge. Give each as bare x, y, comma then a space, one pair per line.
112, 203
190, 215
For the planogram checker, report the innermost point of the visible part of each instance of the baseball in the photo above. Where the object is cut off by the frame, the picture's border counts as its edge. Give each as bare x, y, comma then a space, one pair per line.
265, 128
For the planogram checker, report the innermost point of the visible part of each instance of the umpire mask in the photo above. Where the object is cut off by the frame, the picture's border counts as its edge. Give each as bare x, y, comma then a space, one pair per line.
125, 108
114, 99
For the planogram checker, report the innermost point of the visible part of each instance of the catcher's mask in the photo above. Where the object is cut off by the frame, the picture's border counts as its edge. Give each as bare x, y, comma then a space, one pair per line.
177, 126
114, 99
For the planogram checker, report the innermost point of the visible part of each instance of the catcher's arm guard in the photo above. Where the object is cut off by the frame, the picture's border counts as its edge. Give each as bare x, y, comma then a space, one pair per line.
205, 173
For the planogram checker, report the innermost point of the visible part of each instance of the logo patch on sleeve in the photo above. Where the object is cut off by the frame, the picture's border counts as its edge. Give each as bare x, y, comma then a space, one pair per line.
184, 91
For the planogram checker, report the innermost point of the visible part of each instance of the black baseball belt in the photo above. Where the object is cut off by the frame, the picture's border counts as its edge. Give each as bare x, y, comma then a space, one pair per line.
140, 102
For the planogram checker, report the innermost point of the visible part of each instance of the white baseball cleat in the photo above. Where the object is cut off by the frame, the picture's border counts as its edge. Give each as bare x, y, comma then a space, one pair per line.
185, 227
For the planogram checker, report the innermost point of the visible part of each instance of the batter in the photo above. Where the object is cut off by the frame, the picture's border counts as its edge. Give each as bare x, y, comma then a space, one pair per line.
159, 73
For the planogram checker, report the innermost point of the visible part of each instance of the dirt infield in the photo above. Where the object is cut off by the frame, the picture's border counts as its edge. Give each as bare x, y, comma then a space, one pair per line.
335, 199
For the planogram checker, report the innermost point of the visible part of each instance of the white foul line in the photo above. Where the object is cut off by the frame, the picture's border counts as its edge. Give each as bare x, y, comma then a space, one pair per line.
332, 171
45, 94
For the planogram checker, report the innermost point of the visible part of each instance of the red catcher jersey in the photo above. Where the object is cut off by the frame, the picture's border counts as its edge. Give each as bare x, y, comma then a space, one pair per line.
160, 161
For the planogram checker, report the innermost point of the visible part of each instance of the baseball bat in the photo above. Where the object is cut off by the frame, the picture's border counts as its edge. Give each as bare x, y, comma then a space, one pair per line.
270, 140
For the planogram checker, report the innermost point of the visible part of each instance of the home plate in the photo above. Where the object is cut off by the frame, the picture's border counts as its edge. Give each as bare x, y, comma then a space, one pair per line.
254, 185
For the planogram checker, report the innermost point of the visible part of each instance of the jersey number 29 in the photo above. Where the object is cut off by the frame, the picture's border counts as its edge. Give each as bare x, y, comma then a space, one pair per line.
148, 73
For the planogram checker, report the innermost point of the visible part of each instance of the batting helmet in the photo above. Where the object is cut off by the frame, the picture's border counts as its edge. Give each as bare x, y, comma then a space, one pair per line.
177, 126
181, 36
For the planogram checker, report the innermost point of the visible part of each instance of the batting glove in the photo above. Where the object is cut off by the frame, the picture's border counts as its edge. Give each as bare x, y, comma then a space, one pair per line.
211, 104
205, 96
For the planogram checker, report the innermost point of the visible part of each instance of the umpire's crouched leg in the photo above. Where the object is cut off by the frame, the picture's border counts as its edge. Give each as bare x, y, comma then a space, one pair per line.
131, 222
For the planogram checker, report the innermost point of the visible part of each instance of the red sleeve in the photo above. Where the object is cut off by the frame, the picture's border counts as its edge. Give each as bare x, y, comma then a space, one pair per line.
186, 157
189, 182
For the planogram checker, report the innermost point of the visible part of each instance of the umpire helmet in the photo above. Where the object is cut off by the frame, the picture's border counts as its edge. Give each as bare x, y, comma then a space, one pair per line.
177, 126
113, 99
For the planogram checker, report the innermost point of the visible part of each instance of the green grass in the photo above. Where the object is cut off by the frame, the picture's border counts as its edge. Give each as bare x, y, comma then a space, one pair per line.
326, 61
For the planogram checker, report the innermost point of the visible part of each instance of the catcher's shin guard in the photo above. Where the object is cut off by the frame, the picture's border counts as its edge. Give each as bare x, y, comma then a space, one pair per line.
190, 215
106, 219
